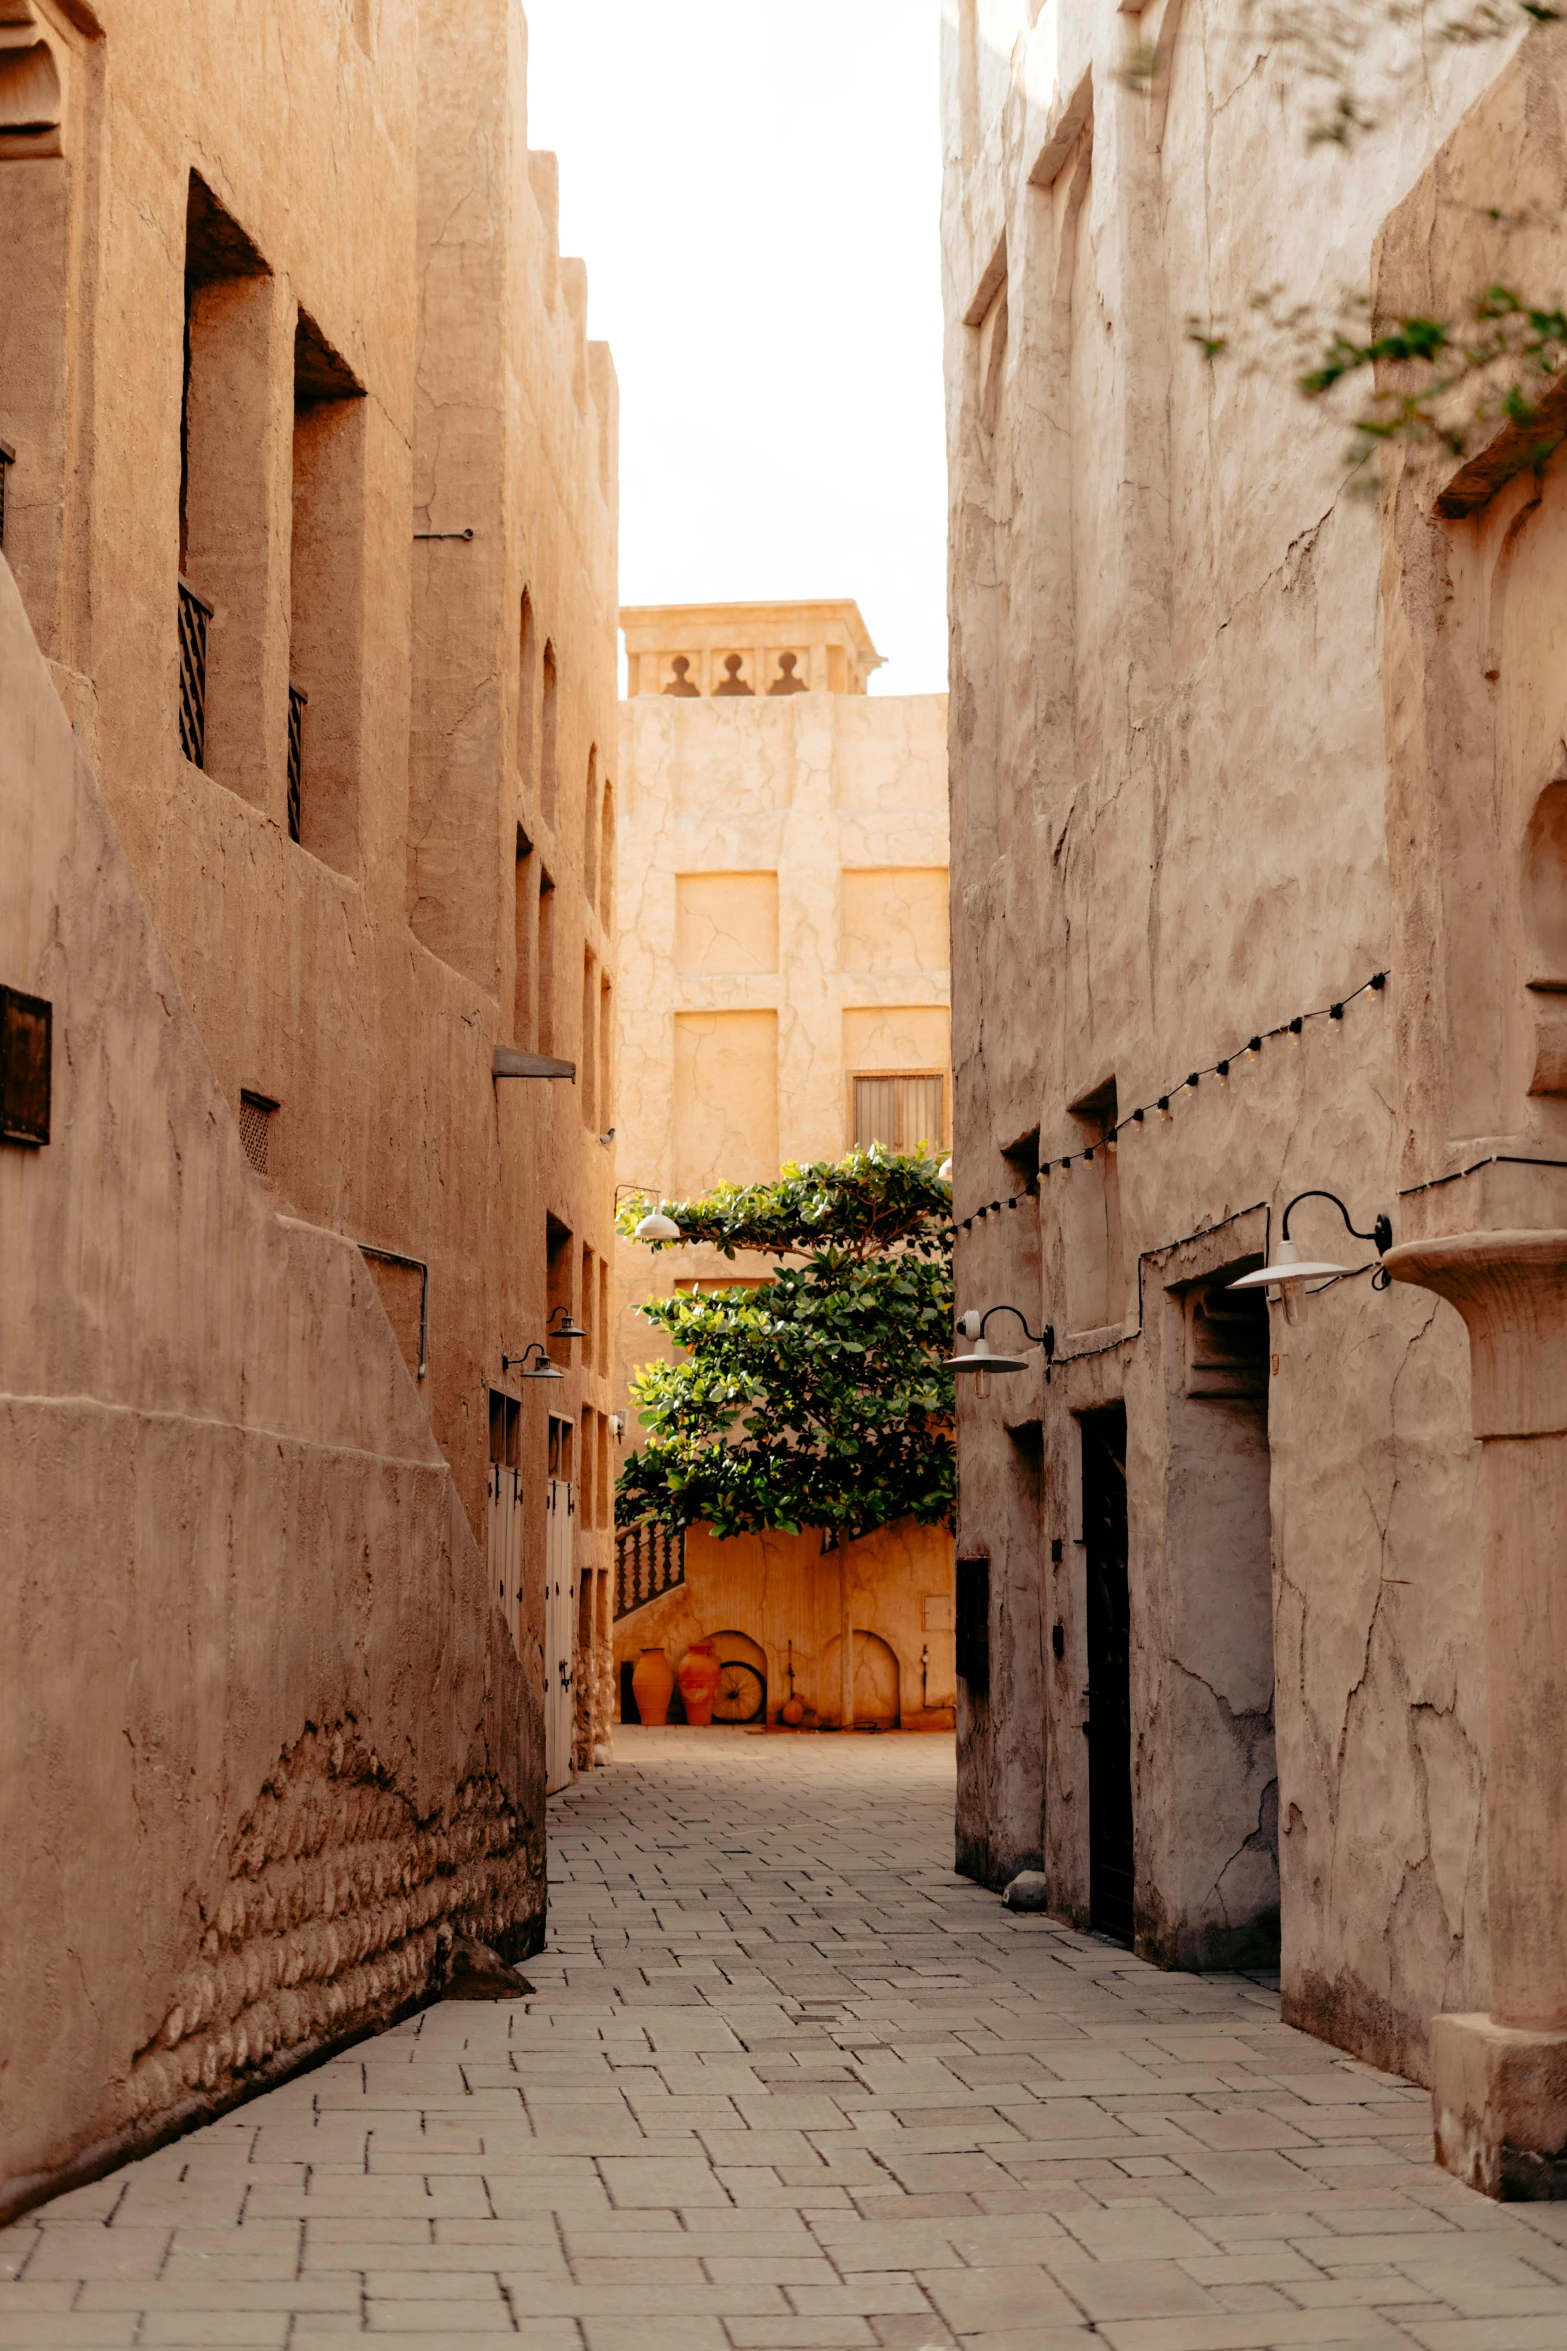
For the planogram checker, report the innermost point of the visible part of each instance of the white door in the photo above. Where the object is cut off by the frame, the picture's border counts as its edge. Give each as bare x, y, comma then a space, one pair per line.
506, 1547
560, 1631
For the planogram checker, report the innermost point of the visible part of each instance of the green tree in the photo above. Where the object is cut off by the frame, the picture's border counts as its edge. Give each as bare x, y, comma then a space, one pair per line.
816, 1398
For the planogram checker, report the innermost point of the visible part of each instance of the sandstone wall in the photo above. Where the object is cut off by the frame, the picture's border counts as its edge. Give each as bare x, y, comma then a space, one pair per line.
285, 317
775, 1602
1169, 776
264, 1736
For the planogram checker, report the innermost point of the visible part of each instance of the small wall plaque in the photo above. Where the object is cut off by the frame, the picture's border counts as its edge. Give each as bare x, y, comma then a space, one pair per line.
25, 1036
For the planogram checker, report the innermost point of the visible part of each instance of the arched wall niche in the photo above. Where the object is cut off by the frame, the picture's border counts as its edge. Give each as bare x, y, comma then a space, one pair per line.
1544, 899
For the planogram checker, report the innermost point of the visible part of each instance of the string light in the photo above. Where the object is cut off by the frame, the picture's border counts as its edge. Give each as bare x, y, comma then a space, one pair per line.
1220, 1069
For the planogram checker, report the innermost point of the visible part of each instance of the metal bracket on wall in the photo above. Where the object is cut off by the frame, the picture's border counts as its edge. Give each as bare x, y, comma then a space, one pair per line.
467, 534
511, 1062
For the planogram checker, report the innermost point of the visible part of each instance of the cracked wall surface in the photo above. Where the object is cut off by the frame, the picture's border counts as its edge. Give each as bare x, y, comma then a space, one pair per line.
387, 446
1169, 766
263, 1734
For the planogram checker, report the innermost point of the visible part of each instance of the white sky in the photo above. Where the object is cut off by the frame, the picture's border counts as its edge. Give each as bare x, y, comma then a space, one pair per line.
755, 191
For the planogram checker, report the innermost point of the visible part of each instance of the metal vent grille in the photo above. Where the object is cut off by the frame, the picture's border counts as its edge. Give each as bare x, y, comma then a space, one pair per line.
255, 1128
297, 699
195, 612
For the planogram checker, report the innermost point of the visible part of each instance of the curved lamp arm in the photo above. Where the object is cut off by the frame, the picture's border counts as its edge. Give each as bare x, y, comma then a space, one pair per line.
973, 1327
1381, 1233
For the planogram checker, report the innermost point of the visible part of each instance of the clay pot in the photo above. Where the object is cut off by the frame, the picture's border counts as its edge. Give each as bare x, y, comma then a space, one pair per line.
652, 1686
792, 1711
699, 1672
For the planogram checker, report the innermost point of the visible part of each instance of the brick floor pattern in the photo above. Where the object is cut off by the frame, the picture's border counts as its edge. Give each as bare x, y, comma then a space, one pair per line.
788, 2084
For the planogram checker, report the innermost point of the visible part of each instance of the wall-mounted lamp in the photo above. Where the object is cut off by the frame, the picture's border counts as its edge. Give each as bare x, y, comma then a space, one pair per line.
982, 1360
944, 1172
527, 1369
1289, 1272
563, 1330
617, 1425
657, 1227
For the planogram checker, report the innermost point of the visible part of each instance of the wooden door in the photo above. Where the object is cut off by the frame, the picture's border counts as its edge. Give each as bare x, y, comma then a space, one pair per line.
505, 1546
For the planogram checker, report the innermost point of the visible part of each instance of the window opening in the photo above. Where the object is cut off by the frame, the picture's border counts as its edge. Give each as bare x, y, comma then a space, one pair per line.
325, 599
558, 1271
222, 552
256, 1113
588, 1073
1089, 1204
548, 734
900, 1110
297, 699
590, 831
607, 855
7, 460
527, 700
195, 614
545, 968
525, 920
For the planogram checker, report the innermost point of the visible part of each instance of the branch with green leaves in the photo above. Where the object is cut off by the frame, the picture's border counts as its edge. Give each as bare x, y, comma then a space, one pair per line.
1445, 386
818, 1397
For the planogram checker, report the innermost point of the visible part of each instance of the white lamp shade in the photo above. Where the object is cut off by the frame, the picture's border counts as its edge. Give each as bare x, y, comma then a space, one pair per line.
657, 1227
944, 1172
982, 1359
1289, 1266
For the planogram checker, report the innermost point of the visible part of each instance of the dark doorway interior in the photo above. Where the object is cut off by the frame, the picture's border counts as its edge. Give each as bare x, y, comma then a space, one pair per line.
1109, 1673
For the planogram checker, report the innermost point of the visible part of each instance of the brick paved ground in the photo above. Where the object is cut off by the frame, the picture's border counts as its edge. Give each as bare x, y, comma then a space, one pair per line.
789, 2083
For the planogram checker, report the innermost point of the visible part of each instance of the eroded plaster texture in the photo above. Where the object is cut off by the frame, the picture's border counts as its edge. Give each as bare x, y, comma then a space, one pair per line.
782, 930
264, 1736
286, 321
1170, 783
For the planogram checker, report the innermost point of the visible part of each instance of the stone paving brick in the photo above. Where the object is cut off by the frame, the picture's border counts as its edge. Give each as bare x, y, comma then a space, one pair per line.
786, 2084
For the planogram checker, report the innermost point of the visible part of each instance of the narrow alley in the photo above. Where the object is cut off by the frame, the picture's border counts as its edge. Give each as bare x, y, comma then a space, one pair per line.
787, 2082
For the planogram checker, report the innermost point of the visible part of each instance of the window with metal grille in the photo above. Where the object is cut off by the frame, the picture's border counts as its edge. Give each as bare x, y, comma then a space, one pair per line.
195, 613
900, 1110
7, 460
255, 1128
297, 699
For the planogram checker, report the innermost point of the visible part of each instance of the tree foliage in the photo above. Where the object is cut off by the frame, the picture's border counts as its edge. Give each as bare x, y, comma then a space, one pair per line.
816, 1398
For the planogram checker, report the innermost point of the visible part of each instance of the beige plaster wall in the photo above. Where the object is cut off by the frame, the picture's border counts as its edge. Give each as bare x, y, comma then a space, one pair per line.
783, 1596
375, 193
241, 1804
782, 924
1169, 778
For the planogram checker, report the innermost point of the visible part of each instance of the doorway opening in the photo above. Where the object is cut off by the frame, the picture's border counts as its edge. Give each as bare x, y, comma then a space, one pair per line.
1212, 1900
1109, 1626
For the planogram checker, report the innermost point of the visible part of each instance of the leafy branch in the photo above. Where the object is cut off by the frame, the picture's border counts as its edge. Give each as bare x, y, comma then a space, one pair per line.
818, 1398
1443, 385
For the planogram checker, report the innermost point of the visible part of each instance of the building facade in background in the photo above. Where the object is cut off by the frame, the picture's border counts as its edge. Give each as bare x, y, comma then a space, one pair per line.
307, 713
1257, 891
784, 996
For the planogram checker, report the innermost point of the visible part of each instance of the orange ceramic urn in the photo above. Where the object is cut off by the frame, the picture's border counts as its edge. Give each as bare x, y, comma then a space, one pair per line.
652, 1686
699, 1672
